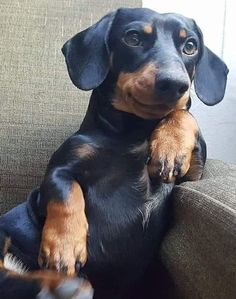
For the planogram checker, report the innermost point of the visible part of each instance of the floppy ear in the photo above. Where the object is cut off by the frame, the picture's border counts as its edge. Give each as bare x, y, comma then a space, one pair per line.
87, 54
210, 76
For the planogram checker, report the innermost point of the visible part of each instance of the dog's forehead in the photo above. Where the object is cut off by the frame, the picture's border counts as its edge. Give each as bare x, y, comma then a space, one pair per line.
175, 20
126, 16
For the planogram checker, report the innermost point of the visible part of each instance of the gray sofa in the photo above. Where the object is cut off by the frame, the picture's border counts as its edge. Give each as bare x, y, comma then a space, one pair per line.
40, 107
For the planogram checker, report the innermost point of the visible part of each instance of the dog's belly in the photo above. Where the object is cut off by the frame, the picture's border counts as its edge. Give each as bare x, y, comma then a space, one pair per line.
126, 217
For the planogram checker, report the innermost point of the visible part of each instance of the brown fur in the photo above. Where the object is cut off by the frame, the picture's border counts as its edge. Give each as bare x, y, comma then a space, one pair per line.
172, 144
148, 29
85, 151
135, 93
51, 280
182, 33
64, 237
6, 245
47, 279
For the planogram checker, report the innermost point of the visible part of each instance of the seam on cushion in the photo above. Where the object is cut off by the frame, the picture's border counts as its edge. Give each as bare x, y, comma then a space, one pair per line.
232, 210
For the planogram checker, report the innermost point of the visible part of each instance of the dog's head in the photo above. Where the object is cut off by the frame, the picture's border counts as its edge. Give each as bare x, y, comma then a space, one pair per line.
154, 58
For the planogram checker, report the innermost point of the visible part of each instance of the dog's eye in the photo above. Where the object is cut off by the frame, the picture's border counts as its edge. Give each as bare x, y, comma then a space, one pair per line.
132, 38
190, 47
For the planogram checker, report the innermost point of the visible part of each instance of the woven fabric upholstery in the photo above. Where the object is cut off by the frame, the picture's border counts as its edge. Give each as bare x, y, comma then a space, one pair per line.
39, 106
200, 249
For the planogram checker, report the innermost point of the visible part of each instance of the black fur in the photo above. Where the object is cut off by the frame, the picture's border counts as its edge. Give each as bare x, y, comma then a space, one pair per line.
127, 217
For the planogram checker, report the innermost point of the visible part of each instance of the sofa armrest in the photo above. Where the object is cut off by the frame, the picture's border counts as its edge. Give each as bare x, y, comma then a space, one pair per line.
200, 248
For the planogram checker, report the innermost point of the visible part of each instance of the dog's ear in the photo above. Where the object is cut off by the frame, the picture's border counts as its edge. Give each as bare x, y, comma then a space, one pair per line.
87, 54
210, 76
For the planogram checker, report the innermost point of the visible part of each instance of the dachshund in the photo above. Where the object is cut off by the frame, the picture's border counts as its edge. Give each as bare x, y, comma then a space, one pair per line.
103, 206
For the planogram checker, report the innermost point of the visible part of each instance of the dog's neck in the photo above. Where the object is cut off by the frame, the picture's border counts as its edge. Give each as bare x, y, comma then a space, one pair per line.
102, 114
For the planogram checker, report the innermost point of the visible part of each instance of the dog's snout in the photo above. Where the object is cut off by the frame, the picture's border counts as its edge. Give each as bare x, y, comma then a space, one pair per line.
171, 88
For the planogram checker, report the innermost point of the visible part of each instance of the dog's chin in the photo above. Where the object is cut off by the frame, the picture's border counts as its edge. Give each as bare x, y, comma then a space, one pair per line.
149, 110
156, 108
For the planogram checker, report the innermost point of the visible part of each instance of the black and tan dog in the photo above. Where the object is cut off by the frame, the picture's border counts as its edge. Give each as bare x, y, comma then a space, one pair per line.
104, 201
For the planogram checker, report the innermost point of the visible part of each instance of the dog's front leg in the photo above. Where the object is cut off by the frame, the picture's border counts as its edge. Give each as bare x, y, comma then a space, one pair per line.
64, 235
177, 149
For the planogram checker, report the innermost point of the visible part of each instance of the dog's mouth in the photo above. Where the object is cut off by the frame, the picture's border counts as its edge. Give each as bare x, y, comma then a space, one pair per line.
151, 105
139, 102
147, 110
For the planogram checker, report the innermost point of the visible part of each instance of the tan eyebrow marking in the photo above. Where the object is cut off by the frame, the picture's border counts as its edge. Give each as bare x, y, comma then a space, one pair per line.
182, 33
148, 29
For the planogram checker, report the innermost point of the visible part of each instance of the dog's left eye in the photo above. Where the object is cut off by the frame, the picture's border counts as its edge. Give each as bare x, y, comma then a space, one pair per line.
132, 38
190, 47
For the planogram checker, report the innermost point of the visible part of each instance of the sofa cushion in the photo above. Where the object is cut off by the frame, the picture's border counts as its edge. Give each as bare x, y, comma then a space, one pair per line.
199, 250
39, 106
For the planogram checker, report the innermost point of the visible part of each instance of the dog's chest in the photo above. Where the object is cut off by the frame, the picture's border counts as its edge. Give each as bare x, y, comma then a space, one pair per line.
117, 168
118, 188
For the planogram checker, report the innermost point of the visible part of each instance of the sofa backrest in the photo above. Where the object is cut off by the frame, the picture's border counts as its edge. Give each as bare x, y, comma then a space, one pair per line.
39, 106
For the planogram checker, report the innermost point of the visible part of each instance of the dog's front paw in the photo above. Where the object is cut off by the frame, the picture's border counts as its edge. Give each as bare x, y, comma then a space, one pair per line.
63, 245
171, 146
64, 238
168, 163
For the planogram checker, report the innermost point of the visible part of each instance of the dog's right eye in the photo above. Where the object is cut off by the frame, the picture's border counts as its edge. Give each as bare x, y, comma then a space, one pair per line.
132, 38
190, 47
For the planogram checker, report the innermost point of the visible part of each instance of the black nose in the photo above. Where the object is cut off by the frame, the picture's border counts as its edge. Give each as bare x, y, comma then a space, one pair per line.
171, 88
